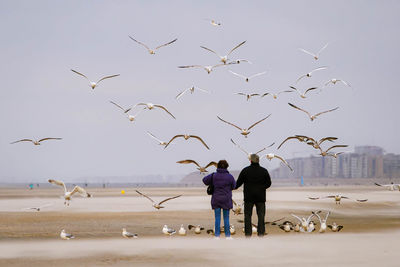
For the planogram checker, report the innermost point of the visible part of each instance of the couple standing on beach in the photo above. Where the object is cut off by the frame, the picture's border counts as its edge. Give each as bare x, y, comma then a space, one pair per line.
255, 179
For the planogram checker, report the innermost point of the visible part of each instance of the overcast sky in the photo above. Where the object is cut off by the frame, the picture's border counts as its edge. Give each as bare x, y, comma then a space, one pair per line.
40, 97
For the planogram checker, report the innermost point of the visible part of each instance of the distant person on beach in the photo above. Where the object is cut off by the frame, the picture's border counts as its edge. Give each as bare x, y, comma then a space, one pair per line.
256, 180
221, 198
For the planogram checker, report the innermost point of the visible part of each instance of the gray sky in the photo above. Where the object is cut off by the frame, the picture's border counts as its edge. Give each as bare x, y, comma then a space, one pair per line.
42, 40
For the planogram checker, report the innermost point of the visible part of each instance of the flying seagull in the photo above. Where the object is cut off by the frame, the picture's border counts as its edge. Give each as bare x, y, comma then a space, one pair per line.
303, 95
244, 131
312, 117
337, 198
309, 140
157, 205
40, 207
186, 137
224, 59
310, 73
316, 56
123, 109
334, 81
151, 106
201, 169
391, 186
94, 84
160, 142
36, 142
249, 153
247, 79
275, 95
209, 68
152, 51
248, 96
68, 194
191, 90
270, 156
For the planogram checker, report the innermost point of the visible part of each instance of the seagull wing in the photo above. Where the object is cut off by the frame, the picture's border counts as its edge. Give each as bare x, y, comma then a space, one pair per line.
166, 110
59, 183
239, 147
297, 217
264, 94
258, 74
212, 163
339, 228
332, 147
176, 136
307, 52
153, 136
202, 90
230, 123
362, 200
237, 74
313, 198
212, 51
254, 124
191, 66
379, 184
118, 105
108, 77
236, 47
327, 215
288, 138
325, 46
149, 198
140, 43
293, 106
345, 83
80, 190
165, 200
316, 214
188, 161
310, 89
329, 138
284, 161
22, 140
285, 91
80, 74
261, 150
201, 140
326, 111
166, 43
295, 89
301, 77
49, 138
320, 68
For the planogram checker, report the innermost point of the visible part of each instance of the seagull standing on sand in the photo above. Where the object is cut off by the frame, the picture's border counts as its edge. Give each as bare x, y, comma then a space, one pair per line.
186, 137
94, 84
316, 56
168, 231
312, 117
335, 227
157, 205
65, 235
182, 230
152, 51
304, 222
68, 194
247, 79
286, 226
197, 229
224, 59
36, 142
127, 234
310, 73
244, 131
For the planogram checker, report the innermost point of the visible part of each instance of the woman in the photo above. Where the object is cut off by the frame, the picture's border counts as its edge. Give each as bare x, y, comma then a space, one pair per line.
223, 183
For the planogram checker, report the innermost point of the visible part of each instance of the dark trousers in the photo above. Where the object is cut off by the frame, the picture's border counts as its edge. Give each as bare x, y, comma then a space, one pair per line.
248, 212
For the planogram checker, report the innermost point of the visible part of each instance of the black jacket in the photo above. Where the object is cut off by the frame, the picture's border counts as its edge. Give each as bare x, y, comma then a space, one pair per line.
255, 179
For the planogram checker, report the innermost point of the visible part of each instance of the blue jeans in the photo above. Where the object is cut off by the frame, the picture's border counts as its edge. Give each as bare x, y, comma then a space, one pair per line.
217, 228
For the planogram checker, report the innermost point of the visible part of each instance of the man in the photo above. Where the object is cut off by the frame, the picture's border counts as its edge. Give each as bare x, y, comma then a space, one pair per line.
256, 180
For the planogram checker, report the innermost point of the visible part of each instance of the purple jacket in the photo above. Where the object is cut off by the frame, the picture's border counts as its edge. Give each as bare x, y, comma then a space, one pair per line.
223, 183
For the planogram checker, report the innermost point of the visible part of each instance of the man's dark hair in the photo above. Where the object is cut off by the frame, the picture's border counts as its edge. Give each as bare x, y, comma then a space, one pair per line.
222, 164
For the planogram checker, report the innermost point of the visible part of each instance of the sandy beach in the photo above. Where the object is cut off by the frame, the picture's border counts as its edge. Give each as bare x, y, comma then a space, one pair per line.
29, 238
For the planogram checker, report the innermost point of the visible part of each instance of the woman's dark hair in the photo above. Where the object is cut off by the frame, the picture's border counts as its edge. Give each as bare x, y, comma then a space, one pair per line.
222, 164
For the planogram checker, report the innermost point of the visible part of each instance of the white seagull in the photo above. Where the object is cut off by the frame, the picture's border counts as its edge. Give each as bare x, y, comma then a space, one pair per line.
337, 198
168, 231
157, 205
270, 156
304, 223
244, 131
152, 51
40, 207
237, 209
209, 68
312, 117
186, 137
127, 234
335, 227
191, 90
310, 73
200, 168
65, 235
160, 142
249, 153
36, 142
182, 230
391, 186
151, 106
247, 79
94, 84
323, 226
303, 95
223, 59
275, 95
197, 229
316, 56
248, 96
125, 110
68, 194
213, 22
334, 81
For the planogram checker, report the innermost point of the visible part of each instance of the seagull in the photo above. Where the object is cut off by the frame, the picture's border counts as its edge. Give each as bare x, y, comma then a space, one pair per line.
40, 207
232, 229
244, 131
247, 79
168, 231
151, 106
270, 156
197, 229
334, 81
157, 205
152, 51
304, 223
127, 234
94, 84
316, 56
123, 109
334, 155
191, 90
214, 22
224, 59
68, 195
309, 140
325, 153
208, 68
237, 209
247, 153
309, 74
296, 228
335, 228
391, 186
322, 229
160, 142
36, 142
201, 169
248, 96
303, 95
133, 117
312, 117
65, 235
286, 226
337, 198
182, 230
275, 95
186, 137
129, 116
